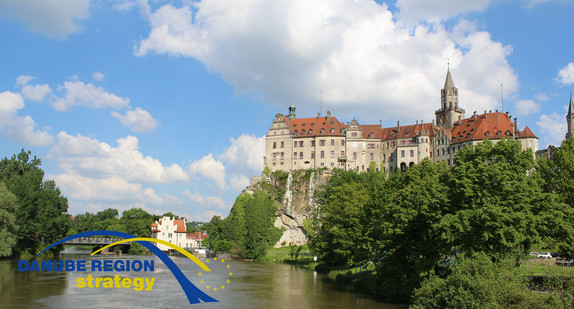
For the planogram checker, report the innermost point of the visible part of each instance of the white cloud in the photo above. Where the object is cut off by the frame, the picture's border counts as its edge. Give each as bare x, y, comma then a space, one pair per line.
416, 10
109, 189
206, 216
36, 92
532, 3
566, 75
23, 80
137, 120
52, 18
78, 93
98, 76
21, 129
239, 182
526, 107
210, 168
92, 158
245, 154
207, 201
354, 51
553, 128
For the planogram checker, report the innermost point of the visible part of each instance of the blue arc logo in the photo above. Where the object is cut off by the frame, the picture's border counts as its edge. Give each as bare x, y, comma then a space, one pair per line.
194, 294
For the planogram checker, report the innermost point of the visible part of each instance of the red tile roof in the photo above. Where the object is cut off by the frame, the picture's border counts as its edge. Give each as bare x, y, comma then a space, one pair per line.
197, 235
180, 226
492, 126
372, 128
316, 124
409, 131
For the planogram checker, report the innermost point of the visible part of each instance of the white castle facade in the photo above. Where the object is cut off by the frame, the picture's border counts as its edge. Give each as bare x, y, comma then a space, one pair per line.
300, 143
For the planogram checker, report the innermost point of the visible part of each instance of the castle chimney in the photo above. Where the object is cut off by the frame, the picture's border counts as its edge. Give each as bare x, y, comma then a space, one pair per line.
507, 117
459, 120
398, 126
381, 122
318, 115
416, 122
485, 114
328, 116
475, 116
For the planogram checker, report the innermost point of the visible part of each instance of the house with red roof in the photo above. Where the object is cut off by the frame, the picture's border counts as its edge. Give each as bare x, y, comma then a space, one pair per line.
299, 143
173, 231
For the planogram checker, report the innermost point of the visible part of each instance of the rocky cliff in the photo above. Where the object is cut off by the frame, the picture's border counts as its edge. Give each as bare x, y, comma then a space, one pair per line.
294, 193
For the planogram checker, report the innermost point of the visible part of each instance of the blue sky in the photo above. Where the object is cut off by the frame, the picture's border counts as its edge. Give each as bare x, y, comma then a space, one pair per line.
164, 104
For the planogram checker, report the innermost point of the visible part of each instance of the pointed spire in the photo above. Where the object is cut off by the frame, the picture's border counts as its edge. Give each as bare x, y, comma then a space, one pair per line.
448, 83
571, 107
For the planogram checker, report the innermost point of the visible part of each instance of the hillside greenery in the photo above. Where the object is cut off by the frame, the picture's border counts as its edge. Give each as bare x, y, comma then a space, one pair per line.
248, 231
422, 228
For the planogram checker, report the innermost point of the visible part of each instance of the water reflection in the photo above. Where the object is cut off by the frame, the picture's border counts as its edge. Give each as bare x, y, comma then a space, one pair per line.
251, 285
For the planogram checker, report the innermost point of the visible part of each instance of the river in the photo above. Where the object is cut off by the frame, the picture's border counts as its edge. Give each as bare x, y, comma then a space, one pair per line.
251, 285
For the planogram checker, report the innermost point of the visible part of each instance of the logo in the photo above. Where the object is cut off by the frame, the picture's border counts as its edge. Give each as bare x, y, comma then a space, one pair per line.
193, 293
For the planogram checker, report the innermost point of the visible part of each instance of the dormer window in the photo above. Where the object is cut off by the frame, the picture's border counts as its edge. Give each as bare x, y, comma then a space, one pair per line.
486, 133
499, 133
311, 132
332, 130
302, 132
371, 135
295, 133
508, 133
322, 130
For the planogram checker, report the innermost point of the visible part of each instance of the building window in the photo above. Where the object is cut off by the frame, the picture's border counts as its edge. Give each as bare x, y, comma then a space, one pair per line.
310, 131
372, 156
282, 155
332, 154
486, 133
354, 134
384, 157
332, 164
402, 153
295, 155
295, 144
302, 132
295, 133
274, 145
274, 156
300, 143
322, 142
371, 135
301, 155
322, 164
313, 143
342, 153
323, 131
322, 154
282, 144
332, 131
354, 156
342, 142
332, 142
312, 155
412, 153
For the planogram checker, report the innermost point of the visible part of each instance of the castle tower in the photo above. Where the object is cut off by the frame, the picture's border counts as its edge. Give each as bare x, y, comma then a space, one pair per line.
570, 118
449, 111
292, 111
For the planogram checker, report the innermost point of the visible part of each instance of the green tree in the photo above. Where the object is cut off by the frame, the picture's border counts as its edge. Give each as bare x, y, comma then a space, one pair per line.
340, 237
558, 172
137, 222
260, 234
41, 212
491, 194
477, 282
8, 227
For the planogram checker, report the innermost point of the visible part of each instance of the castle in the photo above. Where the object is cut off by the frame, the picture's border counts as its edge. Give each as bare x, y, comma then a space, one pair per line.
300, 143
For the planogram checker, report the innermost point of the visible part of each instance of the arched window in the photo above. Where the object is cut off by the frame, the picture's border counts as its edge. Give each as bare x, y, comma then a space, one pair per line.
311, 132
508, 133
371, 135
487, 134
323, 131
403, 167
499, 133
302, 132
332, 130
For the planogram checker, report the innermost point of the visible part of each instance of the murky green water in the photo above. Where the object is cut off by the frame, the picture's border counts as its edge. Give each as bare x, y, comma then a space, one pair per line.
251, 285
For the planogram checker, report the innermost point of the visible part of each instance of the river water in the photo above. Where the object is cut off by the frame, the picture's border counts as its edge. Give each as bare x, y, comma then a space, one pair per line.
250, 285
